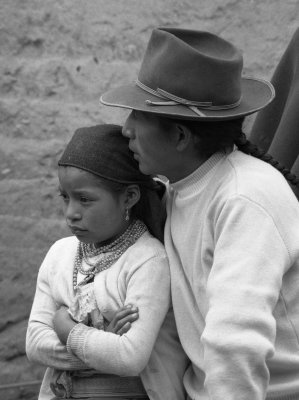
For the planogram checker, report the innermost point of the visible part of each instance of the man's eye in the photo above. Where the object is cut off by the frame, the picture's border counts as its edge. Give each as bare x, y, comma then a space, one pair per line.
63, 196
84, 200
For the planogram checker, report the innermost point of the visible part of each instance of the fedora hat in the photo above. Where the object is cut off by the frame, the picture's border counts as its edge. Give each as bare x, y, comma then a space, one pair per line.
192, 75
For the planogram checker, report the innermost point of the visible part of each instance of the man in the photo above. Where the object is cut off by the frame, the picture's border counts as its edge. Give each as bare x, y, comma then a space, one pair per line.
232, 228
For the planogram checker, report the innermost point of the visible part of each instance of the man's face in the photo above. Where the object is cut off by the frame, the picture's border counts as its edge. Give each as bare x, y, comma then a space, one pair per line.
151, 142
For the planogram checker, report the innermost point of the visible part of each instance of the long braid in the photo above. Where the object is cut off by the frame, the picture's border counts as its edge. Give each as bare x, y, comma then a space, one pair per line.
218, 135
247, 147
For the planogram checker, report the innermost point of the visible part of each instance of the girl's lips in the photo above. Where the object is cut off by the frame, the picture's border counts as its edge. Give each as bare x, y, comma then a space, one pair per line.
76, 230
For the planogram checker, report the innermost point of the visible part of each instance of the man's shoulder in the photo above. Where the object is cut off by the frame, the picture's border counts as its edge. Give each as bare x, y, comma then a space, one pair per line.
254, 177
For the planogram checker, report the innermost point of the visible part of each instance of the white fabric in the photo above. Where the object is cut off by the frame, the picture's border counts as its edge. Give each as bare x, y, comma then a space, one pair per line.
85, 306
232, 238
140, 277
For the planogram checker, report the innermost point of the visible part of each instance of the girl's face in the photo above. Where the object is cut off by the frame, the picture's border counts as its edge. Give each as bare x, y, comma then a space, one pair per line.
92, 213
151, 143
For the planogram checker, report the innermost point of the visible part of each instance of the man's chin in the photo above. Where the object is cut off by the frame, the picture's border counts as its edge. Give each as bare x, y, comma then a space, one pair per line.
144, 170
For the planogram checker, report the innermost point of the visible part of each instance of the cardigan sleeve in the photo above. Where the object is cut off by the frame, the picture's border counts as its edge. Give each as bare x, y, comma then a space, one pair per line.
243, 288
42, 344
148, 288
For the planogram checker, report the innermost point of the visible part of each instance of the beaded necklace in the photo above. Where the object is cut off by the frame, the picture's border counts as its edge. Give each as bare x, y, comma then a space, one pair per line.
114, 249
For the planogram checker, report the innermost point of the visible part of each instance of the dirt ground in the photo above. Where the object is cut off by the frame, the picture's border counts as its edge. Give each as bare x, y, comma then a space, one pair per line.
57, 58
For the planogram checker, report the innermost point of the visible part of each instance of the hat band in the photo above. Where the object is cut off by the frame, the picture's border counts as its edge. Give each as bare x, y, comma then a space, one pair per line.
173, 100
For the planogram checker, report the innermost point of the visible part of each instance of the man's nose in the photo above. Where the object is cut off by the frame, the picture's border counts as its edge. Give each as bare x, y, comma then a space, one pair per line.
128, 130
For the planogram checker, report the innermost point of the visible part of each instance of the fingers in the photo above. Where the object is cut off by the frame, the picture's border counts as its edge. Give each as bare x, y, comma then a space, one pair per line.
124, 329
124, 325
126, 320
122, 320
125, 311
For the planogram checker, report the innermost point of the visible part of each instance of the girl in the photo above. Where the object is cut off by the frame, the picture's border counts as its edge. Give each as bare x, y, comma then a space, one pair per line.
232, 228
112, 261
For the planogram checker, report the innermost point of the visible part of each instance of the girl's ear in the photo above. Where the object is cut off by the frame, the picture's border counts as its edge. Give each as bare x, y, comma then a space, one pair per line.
132, 195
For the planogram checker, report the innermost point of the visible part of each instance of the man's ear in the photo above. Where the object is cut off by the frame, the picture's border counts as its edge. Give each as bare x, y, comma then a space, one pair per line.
183, 137
132, 195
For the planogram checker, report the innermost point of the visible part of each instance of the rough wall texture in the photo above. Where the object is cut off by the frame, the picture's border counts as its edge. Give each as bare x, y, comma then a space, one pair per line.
56, 58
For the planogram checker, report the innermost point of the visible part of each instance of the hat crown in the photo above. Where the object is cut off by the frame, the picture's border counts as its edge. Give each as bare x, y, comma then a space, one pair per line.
191, 74
193, 65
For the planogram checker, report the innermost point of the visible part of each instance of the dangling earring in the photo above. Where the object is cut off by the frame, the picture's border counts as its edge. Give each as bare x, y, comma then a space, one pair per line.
127, 215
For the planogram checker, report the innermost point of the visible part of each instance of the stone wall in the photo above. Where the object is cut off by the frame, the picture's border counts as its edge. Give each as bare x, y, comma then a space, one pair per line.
56, 58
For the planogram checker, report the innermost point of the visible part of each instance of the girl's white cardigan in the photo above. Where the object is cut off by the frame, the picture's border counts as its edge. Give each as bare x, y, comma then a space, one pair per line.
140, 277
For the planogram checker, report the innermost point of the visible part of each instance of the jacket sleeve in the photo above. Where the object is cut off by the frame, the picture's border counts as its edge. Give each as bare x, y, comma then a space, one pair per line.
243, 288
42, 343
148, 288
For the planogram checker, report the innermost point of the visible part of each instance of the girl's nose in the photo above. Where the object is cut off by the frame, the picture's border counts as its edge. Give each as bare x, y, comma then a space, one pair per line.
72, 213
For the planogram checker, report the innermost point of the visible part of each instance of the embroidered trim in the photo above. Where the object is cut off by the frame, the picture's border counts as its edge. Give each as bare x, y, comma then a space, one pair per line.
84, 307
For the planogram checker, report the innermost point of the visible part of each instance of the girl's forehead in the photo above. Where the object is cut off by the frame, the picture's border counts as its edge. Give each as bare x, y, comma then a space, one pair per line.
72, 171
76, 176
73, 178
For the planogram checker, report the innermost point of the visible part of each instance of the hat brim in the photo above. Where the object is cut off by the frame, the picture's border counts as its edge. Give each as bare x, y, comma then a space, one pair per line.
256, 94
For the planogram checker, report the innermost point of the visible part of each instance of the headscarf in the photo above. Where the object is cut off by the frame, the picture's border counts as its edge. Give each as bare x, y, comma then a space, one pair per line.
104, 151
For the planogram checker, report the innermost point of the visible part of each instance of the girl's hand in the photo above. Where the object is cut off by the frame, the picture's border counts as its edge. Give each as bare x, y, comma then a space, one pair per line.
123, 319
63, 324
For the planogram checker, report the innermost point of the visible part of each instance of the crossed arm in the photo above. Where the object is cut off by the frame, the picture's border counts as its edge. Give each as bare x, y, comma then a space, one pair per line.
124, 348
120, 324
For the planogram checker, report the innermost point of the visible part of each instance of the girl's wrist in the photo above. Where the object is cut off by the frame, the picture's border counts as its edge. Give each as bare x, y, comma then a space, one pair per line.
63, 324
64, 334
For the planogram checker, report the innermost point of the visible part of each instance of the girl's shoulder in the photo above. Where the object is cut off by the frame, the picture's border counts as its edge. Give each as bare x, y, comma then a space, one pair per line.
65, 245
66, 241
152, 244
145, 248
60, 256
147, 256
